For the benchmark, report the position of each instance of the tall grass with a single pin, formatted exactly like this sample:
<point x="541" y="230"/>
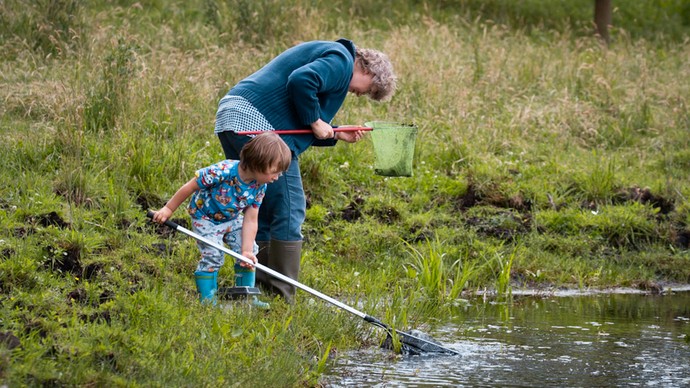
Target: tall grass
<point x="107" y="100"/>
<point x="49" y="27"/>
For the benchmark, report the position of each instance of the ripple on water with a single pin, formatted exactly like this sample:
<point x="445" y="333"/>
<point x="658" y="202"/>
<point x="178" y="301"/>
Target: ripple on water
<point x="545" y="343"/>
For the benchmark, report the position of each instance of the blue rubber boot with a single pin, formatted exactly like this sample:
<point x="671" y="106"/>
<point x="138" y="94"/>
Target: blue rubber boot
<point x="207" y="285"/>
<point x="246" y="277"/>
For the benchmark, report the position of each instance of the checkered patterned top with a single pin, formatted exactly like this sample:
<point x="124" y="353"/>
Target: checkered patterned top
<point x="237" y="114"/>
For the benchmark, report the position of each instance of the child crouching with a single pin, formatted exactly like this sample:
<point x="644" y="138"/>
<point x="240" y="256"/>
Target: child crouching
<point x="224" y="207"/>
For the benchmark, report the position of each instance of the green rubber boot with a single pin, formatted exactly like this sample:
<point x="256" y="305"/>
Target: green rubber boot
<point x="262" y="278"/>
<point x="246" y="277"/>
<point x="207" y="285"/>
<point x="284" y="257"/>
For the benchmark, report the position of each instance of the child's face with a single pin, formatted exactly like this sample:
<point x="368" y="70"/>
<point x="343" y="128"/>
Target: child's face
<point x="269" y="176"/>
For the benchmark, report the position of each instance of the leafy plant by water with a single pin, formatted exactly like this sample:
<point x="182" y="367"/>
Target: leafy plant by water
<point x="505" y="265"/>
<point x="429" y="270"/>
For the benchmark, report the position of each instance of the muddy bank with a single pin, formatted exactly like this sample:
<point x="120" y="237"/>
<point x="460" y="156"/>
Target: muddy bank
<point x="564" y="292"/>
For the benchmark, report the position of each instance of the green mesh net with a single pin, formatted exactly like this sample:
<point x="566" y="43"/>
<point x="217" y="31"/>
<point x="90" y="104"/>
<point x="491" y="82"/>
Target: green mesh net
<point x="393" y="147"/>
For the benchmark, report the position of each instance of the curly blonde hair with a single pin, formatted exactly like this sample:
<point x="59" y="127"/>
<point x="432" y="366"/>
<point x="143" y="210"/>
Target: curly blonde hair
<point x="378" y="64"/>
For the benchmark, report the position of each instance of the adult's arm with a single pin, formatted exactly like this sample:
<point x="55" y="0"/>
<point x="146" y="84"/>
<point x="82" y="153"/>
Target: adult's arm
<point x="330" y="74"/>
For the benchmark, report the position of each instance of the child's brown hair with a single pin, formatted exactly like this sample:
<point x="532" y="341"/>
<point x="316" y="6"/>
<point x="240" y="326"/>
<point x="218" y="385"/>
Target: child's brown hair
<point x="264" y="152"/>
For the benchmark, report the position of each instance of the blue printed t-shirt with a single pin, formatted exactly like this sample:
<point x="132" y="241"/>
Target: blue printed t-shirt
<point x="223" y="195"/>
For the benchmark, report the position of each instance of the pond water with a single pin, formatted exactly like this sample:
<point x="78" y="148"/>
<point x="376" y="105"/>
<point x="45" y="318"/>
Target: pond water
<point x="595" y="340"/>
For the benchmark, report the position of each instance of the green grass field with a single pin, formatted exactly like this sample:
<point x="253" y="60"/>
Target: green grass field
<point x="543" y="159"/>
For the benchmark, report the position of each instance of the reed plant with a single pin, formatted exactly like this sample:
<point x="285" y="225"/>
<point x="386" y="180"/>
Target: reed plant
<point x="429" y="270"/>
<point x="505" y="265"/>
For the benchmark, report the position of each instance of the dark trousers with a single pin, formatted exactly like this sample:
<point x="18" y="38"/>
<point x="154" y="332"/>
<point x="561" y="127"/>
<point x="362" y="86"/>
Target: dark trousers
<point x="283" y="209"/>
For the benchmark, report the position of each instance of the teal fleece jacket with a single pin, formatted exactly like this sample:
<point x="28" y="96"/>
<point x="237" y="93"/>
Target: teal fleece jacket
<point x="301" y="85"/>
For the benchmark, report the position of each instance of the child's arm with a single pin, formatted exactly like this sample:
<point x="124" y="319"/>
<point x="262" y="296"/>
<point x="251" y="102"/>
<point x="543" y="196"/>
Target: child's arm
<point x="250" y="224"/>
<point x="180" y="196"/>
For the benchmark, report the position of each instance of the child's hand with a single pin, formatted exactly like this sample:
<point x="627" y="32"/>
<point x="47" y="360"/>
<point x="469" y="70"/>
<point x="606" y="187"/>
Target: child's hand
<point x="162" y="215"/>
<point x="249" y="255"/>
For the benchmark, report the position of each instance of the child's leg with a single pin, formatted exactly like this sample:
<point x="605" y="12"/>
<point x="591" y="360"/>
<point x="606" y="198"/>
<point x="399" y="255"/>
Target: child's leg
<point x="233" y="239"/>
<point x="206" y="274"/>
<point x="207" y="286"/>
<point x="211" y="258"/>
<point x="244" y="277"/>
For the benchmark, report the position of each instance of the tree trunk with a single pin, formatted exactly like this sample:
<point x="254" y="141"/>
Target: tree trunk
<point x="602" y="18"/>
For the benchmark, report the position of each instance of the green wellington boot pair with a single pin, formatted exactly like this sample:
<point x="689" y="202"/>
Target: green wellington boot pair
<point x="207" y="285"/>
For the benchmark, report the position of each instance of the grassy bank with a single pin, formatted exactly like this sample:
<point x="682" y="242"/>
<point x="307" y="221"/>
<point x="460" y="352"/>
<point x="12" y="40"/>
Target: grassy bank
<point x="543" y="159"/>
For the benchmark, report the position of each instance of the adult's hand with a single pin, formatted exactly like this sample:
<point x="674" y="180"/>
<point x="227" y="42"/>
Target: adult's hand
<point x="322" y="130"/>
<point x="350" y="136"/>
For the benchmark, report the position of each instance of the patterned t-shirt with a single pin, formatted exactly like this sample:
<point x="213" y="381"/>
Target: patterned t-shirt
<point x="223" y="195"/>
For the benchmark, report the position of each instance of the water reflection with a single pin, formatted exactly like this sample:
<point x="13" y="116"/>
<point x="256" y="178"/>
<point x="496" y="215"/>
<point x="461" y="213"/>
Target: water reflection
<point x="581" y="341"/>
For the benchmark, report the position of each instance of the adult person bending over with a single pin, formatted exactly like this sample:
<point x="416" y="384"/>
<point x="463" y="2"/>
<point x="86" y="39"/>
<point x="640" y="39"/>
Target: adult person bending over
<point x="303" y="87"/>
